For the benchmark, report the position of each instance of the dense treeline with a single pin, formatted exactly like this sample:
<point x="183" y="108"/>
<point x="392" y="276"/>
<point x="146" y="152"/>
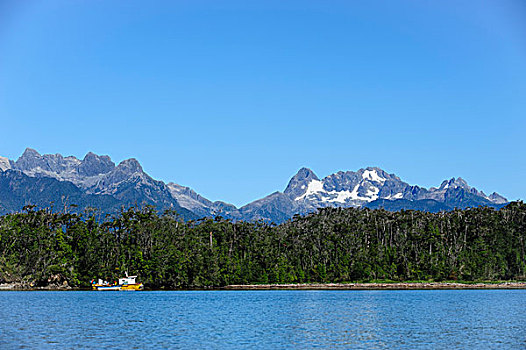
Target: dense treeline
<point x="333" y="245"/>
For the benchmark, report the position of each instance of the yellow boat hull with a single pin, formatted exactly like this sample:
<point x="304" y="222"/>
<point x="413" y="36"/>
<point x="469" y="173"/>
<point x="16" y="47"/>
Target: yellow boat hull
<point x="137" y="286"/>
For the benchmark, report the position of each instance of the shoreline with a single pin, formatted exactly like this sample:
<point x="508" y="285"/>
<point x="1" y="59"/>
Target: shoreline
<point x="307" y="286"/>
<point x="380" y="286"/>
<point x="18" y="286"/>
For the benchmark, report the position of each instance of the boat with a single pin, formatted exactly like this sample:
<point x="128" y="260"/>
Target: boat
<point x="129" y="283"/>
<point x="125" y="283"/>
<point x="107" y="287"/>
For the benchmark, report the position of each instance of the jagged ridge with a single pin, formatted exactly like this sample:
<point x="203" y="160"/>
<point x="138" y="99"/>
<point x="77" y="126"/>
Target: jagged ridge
<point x="127" y="184"/>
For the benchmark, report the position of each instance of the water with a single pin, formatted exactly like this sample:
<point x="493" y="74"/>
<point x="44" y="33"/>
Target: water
<point x="477" y="319"/>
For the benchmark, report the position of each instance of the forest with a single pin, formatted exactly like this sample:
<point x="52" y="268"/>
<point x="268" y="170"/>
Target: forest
<point x="39" y="247"/>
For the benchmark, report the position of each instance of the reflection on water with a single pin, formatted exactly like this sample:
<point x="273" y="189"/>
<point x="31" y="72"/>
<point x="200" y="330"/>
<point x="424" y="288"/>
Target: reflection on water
<point x="264" y="319"/>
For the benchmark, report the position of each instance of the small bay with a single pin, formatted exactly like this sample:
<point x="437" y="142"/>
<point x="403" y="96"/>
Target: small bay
<point x="405" y="319"/>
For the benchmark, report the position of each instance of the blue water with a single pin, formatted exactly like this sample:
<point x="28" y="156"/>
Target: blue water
<point x="476" y="319"/>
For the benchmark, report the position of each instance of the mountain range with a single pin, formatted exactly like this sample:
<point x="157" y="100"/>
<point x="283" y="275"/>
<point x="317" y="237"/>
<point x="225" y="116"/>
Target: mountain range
<point x="97" y="182"/>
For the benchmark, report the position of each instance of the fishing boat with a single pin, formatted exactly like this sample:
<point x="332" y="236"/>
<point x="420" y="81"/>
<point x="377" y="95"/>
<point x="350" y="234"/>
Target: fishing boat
<point x="107" y="287"/>
<point x="129" y="283"/>
<point x="125" y="283"/>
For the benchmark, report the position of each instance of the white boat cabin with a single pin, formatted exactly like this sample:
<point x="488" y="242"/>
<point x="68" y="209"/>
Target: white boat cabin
<point x="127" y="280"/>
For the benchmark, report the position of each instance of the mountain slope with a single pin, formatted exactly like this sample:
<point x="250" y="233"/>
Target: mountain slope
<point x="429" y="205"/>
<point x="370" y="187"/>
<point x="94" y="179"/>
<point x="41" y="179"/>
<point x="18" y="190"/>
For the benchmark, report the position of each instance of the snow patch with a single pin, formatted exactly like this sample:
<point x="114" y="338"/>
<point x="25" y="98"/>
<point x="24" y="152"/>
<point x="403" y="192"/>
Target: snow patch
<point x="373" y="176"/>
<point x="340" y="197"/>
<point x="314" y="186"/>
<point x="344" y="196"/>
<point x="372" y="193"/>
<point x="395" y="196"/>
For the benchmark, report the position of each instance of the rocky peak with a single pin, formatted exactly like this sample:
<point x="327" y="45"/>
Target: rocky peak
<point x="129" y="166"/>
<point x="93" y="164"/>
<point x="299" y="182"/>
<point x="126" y="170"/>
<point x="305" y="174"/>
<point x="30" y="159"/>
<point x="5" y="164"/>
<point x="52" y="165"/>
<point x="30" y="153"/>
<point x="189" y="199"/>
<point x="454" y="183"/>
<point x="373" y="174"/>
<point x="497" y="198"/>
<point x="178" y="189"/>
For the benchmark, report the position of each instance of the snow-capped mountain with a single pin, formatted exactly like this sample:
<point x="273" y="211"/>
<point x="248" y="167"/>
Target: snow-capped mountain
<point x="97" y="180"/>
<point x="345" y="189"/>
<point x="353" y="189"/>
<point x="371" y="187"/>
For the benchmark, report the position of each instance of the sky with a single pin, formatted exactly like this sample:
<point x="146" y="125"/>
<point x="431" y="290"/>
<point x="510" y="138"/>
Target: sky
<point x="231" y="98"/>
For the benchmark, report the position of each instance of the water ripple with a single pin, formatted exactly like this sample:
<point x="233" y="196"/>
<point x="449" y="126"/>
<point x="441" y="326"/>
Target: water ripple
<point x="458" y="319"/>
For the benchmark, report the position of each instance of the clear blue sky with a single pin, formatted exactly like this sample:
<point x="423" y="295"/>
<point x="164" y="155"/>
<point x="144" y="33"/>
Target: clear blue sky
<point x="231" y="98"/>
